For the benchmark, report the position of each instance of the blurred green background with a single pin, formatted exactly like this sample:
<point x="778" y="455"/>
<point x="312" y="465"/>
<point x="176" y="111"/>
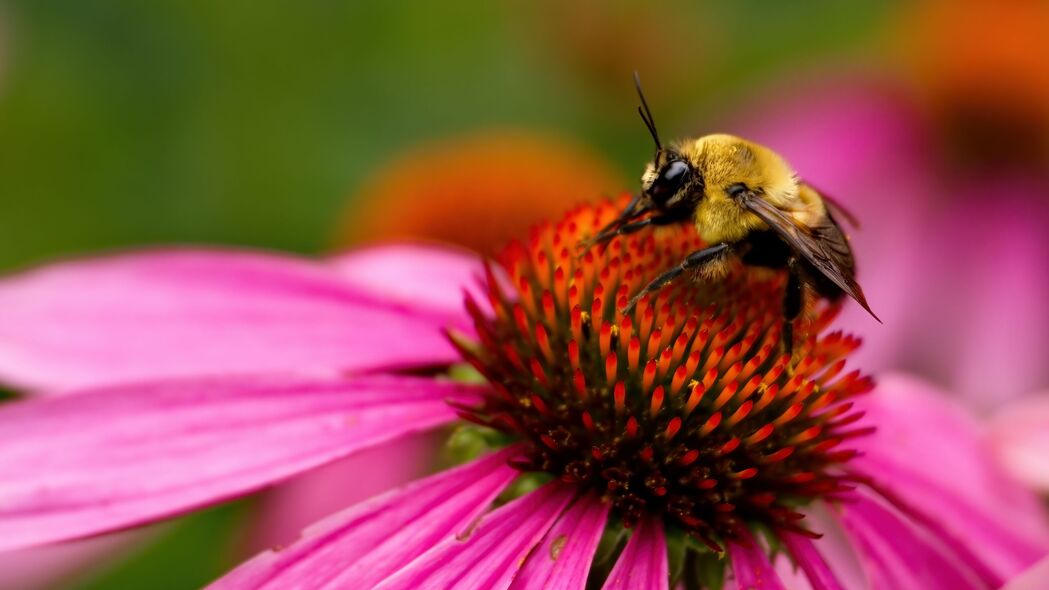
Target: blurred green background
<point x="130" y="122"/>
<point x="126" y="123"/>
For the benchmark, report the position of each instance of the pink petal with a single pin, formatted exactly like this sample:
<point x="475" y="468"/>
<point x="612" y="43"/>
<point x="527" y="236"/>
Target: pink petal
<point x="789" y="574"/>
<point x="368" y="542"/>
<point x="284" y="511"/>
<point x="833" y="546"/>
<point x="750" y="565"/>
<point x="563" y="559"/>
<point x="932" y="454"/>
<point x="898" y="554"/>
<point x="1032" y="579"/>
<point x="490" y="556"/>
<point x="426" y="276"/>
<point x="643" y="563"/>
<point x="1020" y="436"/>
<point x="187" y="313"/>
<point x="116" y="457"/>
<point x="809" y="559"/>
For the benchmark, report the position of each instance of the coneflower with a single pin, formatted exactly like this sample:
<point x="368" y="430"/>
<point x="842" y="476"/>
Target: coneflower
<point x="684" y="408"/>
<point x="672" y="446"/>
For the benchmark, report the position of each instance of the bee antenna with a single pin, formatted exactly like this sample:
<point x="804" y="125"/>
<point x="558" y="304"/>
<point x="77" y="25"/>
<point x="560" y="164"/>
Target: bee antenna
<point x="646" y="113"/>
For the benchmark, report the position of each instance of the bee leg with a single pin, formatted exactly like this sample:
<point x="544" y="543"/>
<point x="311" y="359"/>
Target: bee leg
<point x="631" y="211"/>
<point x="629" y="228"/>
<point x="695" y="260"/>
<point x="792" y="303"/>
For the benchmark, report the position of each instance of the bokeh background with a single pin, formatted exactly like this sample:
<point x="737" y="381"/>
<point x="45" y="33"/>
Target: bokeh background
<point x="310" y="126"/>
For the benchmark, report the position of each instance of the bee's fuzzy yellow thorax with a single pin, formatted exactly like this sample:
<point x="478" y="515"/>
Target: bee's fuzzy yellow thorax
<point x="725" y="160"/>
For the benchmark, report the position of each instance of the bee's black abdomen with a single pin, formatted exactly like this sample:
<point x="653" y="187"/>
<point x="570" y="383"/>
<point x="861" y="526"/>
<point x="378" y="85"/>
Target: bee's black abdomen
<point x="766" y="249"/>
<point x="821" y="284"/>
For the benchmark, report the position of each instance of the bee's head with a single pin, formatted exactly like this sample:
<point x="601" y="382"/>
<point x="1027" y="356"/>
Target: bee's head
<point x="671" y="184"/>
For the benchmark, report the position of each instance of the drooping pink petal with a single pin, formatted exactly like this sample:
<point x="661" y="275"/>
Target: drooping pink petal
<point x="790" y="575"/>
<point x="285" y="510"/>
<point x="809" y="559"/>
<point x="931" y="453"/>
<point x="835" y="562"/>
<point x="428" y="276"/>
<point x="750" y="565"/>
<point x="189" y="313"/>
<point x="491" y="555"/>
<point x="368" y="542"/>
<point x="563" y="559"/>
<point x="1034" y="578"/>
<point x="643" y="563"/>
<point x="115" y="457"/>
<point x="898" y="554"/>
<point x="834" y="547"/>
<point x="1019" y="434"/>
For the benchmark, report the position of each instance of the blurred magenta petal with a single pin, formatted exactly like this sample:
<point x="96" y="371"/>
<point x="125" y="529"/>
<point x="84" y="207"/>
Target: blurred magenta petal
<point x="1019" y="434"/>
<point x="367" y="543"/>
<point x="932" y="453"/>
<point x="418" y="276"/>
<point x="185" y="313"/>
<point x="899" y="555"/>
<point x="491" y="555"/>
<point x="982" y="298"/>
<point x="115" y="457"/>
<point x="563" y="559"/>
<point x="643" y="563"/>
<point x="810" y="561"/>
<point x="750" y="565"/>
<point x="293" y="505"/>
<point x="1032" y="579"/>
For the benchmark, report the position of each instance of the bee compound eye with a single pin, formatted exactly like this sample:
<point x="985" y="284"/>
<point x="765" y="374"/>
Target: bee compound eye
<point x="669" y="181"/>
<point x="674" y="173"/>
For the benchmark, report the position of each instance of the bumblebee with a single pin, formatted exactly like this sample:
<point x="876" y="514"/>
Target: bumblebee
<point x="745" y="202"/>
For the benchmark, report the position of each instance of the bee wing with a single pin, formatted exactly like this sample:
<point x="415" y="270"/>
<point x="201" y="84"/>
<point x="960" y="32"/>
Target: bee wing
<point x="824" y="245"/>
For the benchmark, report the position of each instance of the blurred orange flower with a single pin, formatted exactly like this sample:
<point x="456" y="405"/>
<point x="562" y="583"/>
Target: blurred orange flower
<point x="474" y="191"/>
<point x="983" y="68"/>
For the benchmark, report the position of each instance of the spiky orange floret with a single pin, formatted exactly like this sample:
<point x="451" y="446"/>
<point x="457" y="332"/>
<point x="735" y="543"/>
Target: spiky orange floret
<point x="685" y="407"/>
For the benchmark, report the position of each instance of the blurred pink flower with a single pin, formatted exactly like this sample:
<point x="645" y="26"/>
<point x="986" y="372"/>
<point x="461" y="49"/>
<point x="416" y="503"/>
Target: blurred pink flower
<point x="1019" y="433"/>
<point x="205" y="375"/>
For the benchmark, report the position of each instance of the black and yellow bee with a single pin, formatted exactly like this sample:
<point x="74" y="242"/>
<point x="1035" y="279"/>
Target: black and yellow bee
<point x="746" y="202"/>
